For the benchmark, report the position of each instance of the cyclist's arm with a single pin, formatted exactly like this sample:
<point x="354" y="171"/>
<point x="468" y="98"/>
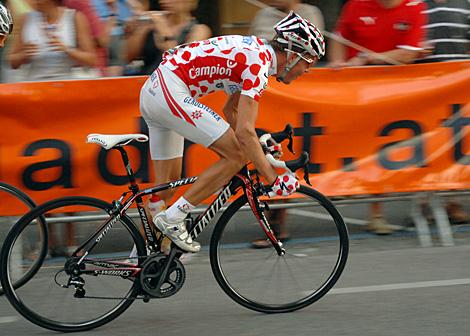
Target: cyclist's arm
<point x="246" y="135"/>
<point x="231" y="109"/>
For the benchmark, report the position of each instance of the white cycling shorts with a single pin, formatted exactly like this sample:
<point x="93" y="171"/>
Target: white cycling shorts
<point x="173" y="115"/>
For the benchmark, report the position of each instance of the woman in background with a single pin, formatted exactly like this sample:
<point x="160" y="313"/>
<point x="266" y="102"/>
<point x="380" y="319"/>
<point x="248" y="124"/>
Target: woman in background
<point x="153" y="32"/>
<point x="52" y="40"/>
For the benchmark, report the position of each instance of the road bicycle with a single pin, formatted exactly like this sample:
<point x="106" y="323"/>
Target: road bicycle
<point x="291" y="274"/>
<point x="21" y="203"/>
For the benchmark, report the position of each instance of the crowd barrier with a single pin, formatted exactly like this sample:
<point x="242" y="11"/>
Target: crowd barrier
<point x="369" y="131"/>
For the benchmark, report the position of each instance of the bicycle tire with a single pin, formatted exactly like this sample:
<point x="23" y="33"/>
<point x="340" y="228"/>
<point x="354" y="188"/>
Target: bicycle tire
<point x="235" y="288"/>
<point x="29" y="203"/>
<point x="46" y="322"/>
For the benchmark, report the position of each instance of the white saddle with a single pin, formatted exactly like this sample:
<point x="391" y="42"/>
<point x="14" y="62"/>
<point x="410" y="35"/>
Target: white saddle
<point x="108" y="141"/>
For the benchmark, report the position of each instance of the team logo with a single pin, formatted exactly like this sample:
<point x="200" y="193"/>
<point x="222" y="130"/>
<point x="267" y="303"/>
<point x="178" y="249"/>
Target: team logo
<point x="196" y="114"/>
<point x="210" y="71"/>
<point x="402" y="26"/>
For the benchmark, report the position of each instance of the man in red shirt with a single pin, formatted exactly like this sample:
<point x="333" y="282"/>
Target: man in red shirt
<point x="392" y="29"/>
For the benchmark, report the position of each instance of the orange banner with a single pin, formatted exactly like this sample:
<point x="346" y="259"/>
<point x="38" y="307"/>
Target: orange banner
<point x="368" y="130"/>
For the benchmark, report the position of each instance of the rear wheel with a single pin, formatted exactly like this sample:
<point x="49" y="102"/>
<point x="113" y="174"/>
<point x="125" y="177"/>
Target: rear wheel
<point x="49" y="298"/>
<point x="316" y="243"/>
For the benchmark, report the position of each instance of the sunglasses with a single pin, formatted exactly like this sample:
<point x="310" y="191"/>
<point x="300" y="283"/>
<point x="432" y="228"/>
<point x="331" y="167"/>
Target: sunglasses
<point x="305" y="56"/>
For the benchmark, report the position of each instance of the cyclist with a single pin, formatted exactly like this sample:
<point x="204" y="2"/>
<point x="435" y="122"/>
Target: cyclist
<point x="6" y="24"/>
<point x="239" y="65"/>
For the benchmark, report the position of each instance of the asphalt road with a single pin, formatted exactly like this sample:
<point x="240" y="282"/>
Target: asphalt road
<point x="390" y="286"/>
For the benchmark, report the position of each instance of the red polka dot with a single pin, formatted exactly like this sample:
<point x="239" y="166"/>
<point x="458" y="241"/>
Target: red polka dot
<point x="256" y="97"/>
<point x="277" y="181"/>
<point x="279" y="192"/>
<point x="204" y="89"/>
<point x="290" y="187"/>
<point x="257" y="81"/>
<point x="262" y="57"/>
<point x="247" y="84"/>
<point x="240" y="58"/>
<point x="208" y="51"/>
<point x="255" y="68"/>
<point x="193" y="93"/>
<point x="227" y="51"/>
<point x="285" y="178"/>
<point x="186" y="56"/>
<point x="194" y="45"/>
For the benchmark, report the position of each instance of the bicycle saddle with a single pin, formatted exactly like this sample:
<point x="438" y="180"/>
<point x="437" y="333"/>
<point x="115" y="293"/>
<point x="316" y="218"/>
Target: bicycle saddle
<point x="108" y="141"/>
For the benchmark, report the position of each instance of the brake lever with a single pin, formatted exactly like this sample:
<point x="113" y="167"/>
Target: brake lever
<point x="290" y="144"/>
<point x="306" y="176"/>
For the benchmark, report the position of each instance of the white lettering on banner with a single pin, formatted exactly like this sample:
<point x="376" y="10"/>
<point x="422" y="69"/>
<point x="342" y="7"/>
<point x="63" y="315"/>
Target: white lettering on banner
<point x="212" y="70"/>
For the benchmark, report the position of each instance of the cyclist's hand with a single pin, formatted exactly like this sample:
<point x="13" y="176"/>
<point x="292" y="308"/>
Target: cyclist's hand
<point x="284" y="185"/>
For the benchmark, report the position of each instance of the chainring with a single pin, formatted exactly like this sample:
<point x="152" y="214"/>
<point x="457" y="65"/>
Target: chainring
<point x="151" y="274"/>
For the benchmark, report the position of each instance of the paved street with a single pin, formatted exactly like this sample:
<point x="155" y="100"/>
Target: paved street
<point x="390" y="287"/>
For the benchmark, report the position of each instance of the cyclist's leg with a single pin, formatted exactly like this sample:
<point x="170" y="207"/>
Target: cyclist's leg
<point x="216" y="176"/>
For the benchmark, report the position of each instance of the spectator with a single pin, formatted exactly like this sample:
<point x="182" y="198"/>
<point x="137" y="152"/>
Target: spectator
<point x="155" y="31"/>
<point x="447" y="30"/>
<point x="265" y="19"/>
<point x="393" y="31"/>
<point x="448" y="39"/>
<point x="262" y="26"/>
<point x="52" y="40"/>
<point x="113" y="15"/>
<point x="97" y="30"/>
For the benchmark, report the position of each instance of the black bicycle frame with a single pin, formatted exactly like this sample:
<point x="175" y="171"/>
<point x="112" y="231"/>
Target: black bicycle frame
<point x="241" y="180"/>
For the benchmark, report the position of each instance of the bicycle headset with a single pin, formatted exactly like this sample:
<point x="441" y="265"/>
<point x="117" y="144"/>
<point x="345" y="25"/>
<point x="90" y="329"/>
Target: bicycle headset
<point x="298" y="36"/>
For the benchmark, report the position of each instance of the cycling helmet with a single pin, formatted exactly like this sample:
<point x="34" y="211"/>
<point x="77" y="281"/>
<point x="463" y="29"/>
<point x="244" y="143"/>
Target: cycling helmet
<point x="295" y="33"/>
<point x="6" y="22"/>
<point x="298" y="36"/>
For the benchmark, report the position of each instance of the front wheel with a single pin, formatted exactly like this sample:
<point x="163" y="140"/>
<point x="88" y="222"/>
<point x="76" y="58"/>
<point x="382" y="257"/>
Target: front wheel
<point x="250" y="270"/>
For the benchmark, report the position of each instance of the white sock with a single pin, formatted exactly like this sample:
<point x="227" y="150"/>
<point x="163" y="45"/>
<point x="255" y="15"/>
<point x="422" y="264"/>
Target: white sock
<point x="179" y="210"/>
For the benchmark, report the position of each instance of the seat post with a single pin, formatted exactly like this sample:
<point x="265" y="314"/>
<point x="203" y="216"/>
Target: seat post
<point x="129" y="171"/>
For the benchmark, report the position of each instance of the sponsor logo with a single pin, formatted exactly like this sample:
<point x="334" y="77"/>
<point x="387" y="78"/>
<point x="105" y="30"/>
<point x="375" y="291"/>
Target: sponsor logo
<point x="212" y="70"/>
<point x="183" y="208"/>
<point x="194" y="102"/>
<point x="247" y="40"/>
<point x="368" y="20"/>
<point x="402" y="26"/>
<point x="114" y="272"/>
<point x="219" y="85"/>
<point x="196" y="114"/>
<point x="153" y="93"/>
<point x="153" y="76"/>
<point x="182" y="182"/>
<point x="108" y="227"/>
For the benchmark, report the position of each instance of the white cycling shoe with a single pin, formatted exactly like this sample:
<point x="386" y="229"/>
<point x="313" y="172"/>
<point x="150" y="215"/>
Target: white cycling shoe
<point x="177" y="232"/>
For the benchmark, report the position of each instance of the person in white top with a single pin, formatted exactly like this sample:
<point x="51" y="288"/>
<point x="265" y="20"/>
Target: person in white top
<point x="52" y="40"/>
<point x="240" y="66"/>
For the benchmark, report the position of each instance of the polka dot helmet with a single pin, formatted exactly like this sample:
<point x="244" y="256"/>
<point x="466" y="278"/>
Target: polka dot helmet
<point x="295" y="33"/>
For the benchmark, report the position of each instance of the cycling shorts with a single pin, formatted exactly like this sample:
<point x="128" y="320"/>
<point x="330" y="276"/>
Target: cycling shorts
<point x="172" y="115"/>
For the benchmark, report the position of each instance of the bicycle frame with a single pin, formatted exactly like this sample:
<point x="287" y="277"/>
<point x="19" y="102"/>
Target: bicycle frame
<point x="241" y="180"/>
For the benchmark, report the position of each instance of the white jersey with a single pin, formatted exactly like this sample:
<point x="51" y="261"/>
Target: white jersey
<point x="231" y="63"/>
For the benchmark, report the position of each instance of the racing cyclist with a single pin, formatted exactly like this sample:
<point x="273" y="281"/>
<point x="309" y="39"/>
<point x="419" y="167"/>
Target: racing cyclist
<point x="6" y="24"/>
<point x="239" y="65"/>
